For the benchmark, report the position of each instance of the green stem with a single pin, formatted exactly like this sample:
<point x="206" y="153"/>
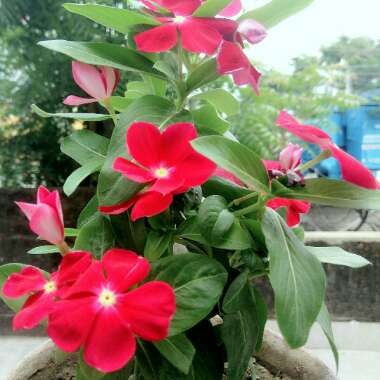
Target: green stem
<point x="237" y="201"/>
<point x="110" y="109"/>
<point x="315" y="161"/>
<point x="255" y="207"/>
<point x="63" y="248"/>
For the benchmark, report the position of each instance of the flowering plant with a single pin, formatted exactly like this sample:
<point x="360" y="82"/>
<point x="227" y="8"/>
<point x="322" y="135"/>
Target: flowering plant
<point x="185" y="218"/>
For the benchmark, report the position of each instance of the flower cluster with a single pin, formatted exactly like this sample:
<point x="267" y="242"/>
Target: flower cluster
<point x="208" y="35"/>
<point x="165" y="163"/>
<point x="104" y="291"/>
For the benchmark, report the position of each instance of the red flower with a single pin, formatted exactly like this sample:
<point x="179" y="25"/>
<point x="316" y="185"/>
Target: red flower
<point x="352" y="170"/>
<point x="293" y="209"/>
<point x="166" y="162"/>
<point x="42" y="291"/>
<point x="45" y="217"/>
<point x="98" y="83"/>
<point x="114" y="312"/>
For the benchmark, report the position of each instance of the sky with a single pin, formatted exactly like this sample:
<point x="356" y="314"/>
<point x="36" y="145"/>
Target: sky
<point x="321" y="24"/>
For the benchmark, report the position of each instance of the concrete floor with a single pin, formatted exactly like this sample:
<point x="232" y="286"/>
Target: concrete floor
<point x="358" y="343"/>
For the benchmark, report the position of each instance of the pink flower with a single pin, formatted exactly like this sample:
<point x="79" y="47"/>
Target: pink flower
<point x="232" y="60"/>
<point x="252" y="31"/>
<point x="98" y="83"/>
<point x="115" y="311"/>
<point x="43" y="291"/>
<point x="220" y="172"/>
<point x="293" y="209"/>
<point x="45" y="217"/>
<point x="352" y="170"/>
<point x="165" y="162"/>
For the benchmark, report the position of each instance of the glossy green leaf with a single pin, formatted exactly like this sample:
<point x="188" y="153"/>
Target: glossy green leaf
<point x="240" y="326"/>
<point x="297" y="278"/>
<point x="85" y="146"/>
<point x="113" y="188"/>
<point x="338" y="256"/>
<point x="211" y="8"/>
<point x="178" y="351"/>
<point x="70" y="115"/>
<point x="71" y="232"/>
<point x="207" y="118"/>
<point x="198" y="282"/>
<point x="276" y="11"/>
<point x="214" y="219"/>
<point x="234" y="157"/>
<point x="227" y="189"/>
<point x="96" y="236"/>
<point x="102" y="53"/>
<point x="43" y="250"/>
<point x="118" y="19"/>
<point x="79" y="175"/>
<point x="205" y="73"/>
<point x="156" y="245"/>
<point x="324" y="320"/>
<point x="121" y="103"/>
<point x="331" y="192"/>
<point x="89" y="212"/>
<point x="236" y="239"/>
<point x="222" y="100"/>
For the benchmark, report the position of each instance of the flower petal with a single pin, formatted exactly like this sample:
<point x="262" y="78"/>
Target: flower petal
<point x="252" y="31"/>
<point x="30" y="279"/>
<point x="248" y="76"/>
<point x="231" y="9"/>
<point x="73" y="100"/>
<point x="110" y="345"/>
<point x="50" y="198"/>
<point x="198" y="37"/>
<point x="88" y="78"/>
<point x="175" y="142"/>
<point x="196" y="170"/>
<point x="119" y="208"/>
<point x="36" y="308"/>
<point x="70" y="322"/>
<point x="158" y="39"/>
<point x="132" y="171"/>
<point x="180" y="7"/>
<point x="143" y="141"/>
<point x="46" y="223"/>
<point x="220" y="172"/>
<point x="149" y="310"/>
<point x="293" y="209"/>
<point x="124" y="268"/>
<point x="27" y="208"/>
<point x="167" y="185"/>
<point x="231" y="58"/>
<point x="150" y="204"/>
<point x="110" y="78"/>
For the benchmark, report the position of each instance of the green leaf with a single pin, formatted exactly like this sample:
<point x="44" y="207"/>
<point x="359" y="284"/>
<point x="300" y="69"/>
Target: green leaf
<point x="156" y="245"/>
<point x="113" y="188"/>
<point x="5" y="271"/>
<point x="331" y="192"/>
<point x="222" y="100"/>
<point x="120" y="103"/>
<point x="71" y="232"/>
<point x="338" y="256"/>
<point x="79" y="175"/>
<point x="84" y="146"/>
<point x="276" y="11"/>
<point x="90" y="211"/>
<point x="103" y="54"/>
<point x="297" y="278"/>
<point x="205" y="73"/>
<point x="240" y="326"/>
<point x="96" y="236"/>
<point x="85" y="372"/>
<point x="198" y="282"/>
<point x="43" y="250"/>
<point x="227" y="189"/>
<point x="324" y="321"/>
<point x="207" y="118"/>
<point x="178" y="351"/>
<point x="236" y="239"/>
<point x="262" y="317"/>
<point x="214" y="219"/>
<point x="73" y="115"/>
<point x="234" y="157"/>
<point x="118" y="19"/>
<point x="211" y="8"/>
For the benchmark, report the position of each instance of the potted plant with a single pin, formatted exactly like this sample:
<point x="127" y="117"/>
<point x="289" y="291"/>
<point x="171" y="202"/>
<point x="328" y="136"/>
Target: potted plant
<point x="160" y="282"/>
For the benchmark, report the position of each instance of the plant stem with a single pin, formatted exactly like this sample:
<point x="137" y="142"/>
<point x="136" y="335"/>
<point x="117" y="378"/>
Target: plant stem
<point x="63" y="248"/>
<point x="315" y="161"/>
<point x="237" y="201"/>
<point x="110" y="109"/>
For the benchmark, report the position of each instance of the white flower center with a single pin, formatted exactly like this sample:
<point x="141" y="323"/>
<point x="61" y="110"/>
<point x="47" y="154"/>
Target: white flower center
<point x="161" y="173"/>
<point x="50" y="287"/>
<point x="179" y="19"/>
<point x="107" y="298"/>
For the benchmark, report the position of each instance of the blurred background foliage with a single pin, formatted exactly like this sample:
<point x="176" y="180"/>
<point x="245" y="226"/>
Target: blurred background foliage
<point x="29" y="145"/>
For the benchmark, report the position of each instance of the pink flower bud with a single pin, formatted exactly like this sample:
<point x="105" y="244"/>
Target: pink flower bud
<point x="290" y="157"/>
<point x="45" y="217"/>
<point x="252" y="31"/>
